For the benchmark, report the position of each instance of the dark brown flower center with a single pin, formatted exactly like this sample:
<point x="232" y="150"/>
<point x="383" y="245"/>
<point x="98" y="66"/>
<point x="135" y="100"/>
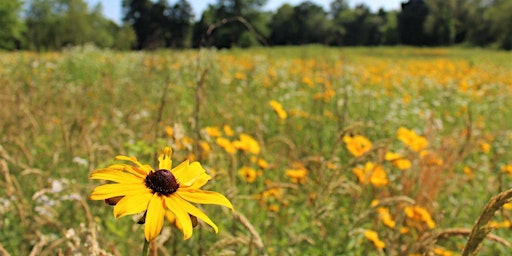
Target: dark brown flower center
<point x="162" y="182"/>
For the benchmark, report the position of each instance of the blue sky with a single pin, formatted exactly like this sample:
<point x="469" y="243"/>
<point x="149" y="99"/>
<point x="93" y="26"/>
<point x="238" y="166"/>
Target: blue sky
<point x="112" y="8"/>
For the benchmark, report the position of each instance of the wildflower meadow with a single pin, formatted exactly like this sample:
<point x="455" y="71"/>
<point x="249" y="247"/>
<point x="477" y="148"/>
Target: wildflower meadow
<point x="269" y="151"/>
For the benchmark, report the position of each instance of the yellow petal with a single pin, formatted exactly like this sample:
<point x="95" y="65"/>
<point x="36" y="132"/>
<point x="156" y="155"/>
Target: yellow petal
<point x="164" y="159"/>
<point x="145" y="168"/>
<point x="189" y="174"/>
<point x="154" y="217"/>
<point x="172" y="219"/>
<point x="200" y="181"/>
<point x="204" y="197"/>
<point x="175" y="205"/>
<point x="124" y="167"/>
<point x="115" y="176"/>
<point x="119" y="189"/>
<point x="192" y="210"/>
<point x="132" y="204"/>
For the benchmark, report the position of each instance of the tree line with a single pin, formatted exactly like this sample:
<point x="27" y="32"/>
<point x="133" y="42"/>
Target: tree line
<point x="45" y="25"/>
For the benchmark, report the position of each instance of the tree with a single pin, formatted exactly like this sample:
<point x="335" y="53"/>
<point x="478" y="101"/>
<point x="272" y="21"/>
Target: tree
<point x="440" y="23"/>
<point x="500" y="19"/>
<point x="232" y="23"/>
<point x="181" y="22"/>
<point x="53" y="24"/>
<point x="283" y="28"/>
<point x="410" y="22"/>
<point x="11" y="24"/>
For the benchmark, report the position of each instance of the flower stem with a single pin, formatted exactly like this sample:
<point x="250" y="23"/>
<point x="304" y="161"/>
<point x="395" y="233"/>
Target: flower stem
<point x="145" y="249"/>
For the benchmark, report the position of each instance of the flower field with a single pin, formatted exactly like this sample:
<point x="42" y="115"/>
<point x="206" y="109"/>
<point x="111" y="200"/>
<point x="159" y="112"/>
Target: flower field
<point x="321" y="151"/>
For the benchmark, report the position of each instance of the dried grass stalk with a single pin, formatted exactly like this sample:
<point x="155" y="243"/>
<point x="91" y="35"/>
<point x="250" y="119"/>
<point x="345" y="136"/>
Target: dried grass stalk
<point x="481" y="227"/>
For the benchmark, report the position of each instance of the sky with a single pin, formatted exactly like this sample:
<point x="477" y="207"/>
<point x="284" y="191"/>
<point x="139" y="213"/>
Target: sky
<point x="112" y="8"/>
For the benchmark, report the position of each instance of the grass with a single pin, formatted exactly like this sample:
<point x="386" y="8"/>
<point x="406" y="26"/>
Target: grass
<point x="66" y="114"/>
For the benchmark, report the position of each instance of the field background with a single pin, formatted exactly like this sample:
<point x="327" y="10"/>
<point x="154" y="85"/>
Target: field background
<point x="66" y="114"/>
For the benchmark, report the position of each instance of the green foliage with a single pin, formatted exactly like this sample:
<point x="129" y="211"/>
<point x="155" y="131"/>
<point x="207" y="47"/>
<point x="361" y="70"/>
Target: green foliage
<point x="11" y="24"/>
<point x="55" y="24"/>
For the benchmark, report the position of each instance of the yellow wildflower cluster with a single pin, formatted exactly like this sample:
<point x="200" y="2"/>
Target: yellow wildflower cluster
<point x="410" y="138"/>
<point x="371" y="173"/>
<point x="418" y="213"/>
<point x="298" y="174"/>
<point x="398" y="160"/>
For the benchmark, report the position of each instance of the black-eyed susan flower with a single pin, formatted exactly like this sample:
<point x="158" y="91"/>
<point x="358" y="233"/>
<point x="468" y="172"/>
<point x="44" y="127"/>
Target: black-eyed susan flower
<point x="167" y="191"/>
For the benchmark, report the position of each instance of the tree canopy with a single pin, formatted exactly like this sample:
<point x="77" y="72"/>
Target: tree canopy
<point x="151" y="24"/>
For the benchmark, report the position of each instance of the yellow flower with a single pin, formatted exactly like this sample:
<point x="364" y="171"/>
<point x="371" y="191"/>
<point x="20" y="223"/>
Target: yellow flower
<point x="139" y="188"/>
<point x="414" y="141"/>
<point x="212" y="131"/>
<point x="226" y="145"/>
<point x="385" y="217"/>
<point x="419" y="213"/>
<point x="298" y="176"/>
<point x="496" y="224"/>
<point x="247" y="143"/>
<point x="170" y="131"/>
<point x="507" y="169"/>
<point x="485" y="147"/>
<point x="278" y="108"/>
<point x="440" y="251"/>
<point x="228" y="131"/>
<point x="398" y="160"/>
<point x="468" y="172"/>
<point x="371" y="173"/>
<point x="205" y="148"/>
<point x="249" y="173"/>
<point x="357" y="145"/>
<point x="374" y="238"/>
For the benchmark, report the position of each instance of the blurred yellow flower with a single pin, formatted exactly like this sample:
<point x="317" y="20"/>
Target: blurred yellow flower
<point x="212" y="131"/>
<point x="357" y="145"/>
<point x="298" y="176"/>
<point x="248" y="144"/>
<point x="139" y="188"/>
<point x="419" y="213"/>
<point x="502" y="224"/>
<point x="278" y="108"/>
<point x="440" y="251"/>
<point x="205" y="148"/>
<point x="485" y="147"/>
<point x="414" y="141"/>
<point x="226" y="145"/>
<point x="398" y="160"/>
<point x="249" y="174"/>
<point x="468" y="172"/>
<point x="169" y="130"/>
<point x="386" y="217"/>
<point x="507" y="169"/>
<point x="228" y="131"/>
<point x="371" y="173"/>
<point x="374" y="238"/>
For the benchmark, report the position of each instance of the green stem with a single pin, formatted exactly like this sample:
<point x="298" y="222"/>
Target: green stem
<point x="145" y="249"/>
